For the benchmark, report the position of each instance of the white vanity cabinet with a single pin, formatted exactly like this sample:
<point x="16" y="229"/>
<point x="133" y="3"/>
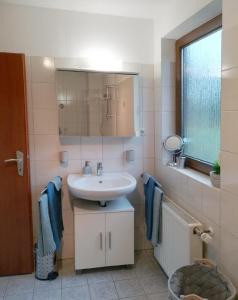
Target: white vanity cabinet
<point x="104" y="236"/>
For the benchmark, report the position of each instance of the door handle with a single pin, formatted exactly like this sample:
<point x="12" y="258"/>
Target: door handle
<point x="101" y="244"/>
<point x="19" y="160"/>
<point x="110" y="239"/>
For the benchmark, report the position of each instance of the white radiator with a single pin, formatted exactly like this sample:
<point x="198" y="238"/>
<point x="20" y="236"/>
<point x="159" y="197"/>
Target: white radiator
<point x="179" y="246"/>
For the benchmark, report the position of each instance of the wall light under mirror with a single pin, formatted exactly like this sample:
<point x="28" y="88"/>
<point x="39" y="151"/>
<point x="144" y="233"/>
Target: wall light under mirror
<point x="98" y="103"/>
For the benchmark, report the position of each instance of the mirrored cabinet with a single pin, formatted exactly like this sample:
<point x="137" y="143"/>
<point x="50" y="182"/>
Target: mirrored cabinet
<point x="98" y="103"/>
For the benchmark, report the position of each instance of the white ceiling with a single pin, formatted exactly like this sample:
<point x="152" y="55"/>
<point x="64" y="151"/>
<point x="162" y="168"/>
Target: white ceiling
<point x="127" y="8"/>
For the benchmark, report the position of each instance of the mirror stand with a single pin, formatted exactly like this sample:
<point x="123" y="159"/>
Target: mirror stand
<point x="174" y="145"/>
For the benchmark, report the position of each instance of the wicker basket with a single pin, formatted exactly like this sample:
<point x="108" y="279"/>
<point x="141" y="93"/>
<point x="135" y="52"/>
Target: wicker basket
<point x="200" y="281"/>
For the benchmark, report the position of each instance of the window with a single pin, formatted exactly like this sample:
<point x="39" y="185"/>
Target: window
<point x="198" y="94"/>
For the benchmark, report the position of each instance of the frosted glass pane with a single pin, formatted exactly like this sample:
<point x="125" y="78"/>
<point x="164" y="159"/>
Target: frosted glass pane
<point x="201" y="89"/>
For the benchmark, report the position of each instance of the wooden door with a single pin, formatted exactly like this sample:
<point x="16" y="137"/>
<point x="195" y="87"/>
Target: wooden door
<point x="89" y="241"/>
<point x="120" y="238"/>
<point x="16" y="243"/>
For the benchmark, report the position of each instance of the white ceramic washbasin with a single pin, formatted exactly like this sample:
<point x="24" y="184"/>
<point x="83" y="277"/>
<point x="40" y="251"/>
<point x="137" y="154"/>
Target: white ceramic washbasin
<point x="109" y="186"/>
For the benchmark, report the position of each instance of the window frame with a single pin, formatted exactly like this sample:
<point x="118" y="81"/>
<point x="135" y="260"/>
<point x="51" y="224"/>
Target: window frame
<point x="200" y="32"/>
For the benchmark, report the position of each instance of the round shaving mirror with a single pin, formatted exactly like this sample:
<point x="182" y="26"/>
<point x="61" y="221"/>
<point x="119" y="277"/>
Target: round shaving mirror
<point x="174" y="145"/>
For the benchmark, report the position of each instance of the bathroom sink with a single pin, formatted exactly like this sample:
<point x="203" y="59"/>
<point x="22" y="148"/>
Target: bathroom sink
<point x="109" y="186"/>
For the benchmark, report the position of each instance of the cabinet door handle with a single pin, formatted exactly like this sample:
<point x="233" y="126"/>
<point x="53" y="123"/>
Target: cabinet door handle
<point x="110" y="239"/>
<point x="101" y="246"/>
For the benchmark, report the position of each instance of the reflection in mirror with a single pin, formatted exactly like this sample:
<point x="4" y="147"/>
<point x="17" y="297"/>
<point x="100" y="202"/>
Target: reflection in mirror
<point x="174" y="145"/>
<point x="97" y="103"/>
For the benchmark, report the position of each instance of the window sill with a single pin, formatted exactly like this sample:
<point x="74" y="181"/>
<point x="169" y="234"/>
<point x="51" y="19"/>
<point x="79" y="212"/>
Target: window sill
<point x="195" y="175"/>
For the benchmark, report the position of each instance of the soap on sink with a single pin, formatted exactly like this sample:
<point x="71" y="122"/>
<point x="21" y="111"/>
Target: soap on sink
<point x="87" y="169"/>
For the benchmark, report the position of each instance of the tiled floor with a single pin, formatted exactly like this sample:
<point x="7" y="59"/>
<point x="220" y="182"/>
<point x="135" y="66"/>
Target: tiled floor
<point x="144" y="281"/>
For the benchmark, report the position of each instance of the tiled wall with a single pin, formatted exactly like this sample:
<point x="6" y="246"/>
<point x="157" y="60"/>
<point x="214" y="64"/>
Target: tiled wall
<point x="45" y="147"/>
<point x="191" y="190"/>
<point x="214" y="207"/>
<point x="229" y="141"/>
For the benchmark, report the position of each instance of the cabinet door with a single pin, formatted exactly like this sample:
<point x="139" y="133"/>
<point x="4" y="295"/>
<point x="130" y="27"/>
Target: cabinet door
<point x="89" y="241"/>
<point x="119" y="238"/>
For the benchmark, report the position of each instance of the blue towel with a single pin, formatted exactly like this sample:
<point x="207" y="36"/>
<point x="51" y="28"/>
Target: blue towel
<point x="157" y="217"/>
<point x="55" y="212"/>
<point x="45" y="242"/>
<point x="57" y="182"/>
<point x="149" y="189"/>
<point x="146" y="177"/>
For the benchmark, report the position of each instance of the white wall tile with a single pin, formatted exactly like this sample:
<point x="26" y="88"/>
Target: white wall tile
<point x="46" y="147"/>
<point x="229" y="172"/>
<point x="139" y="238"/>
<point x="158" y="123"/>
<point x="158" y="99"/>
<point x="134" y="143"/>
<point x="179" y="183"/>
<point x="30" y="120"/>
<point x="148" y="123"/>
<point x="42" y="69"/>
<point x="147" y="75"/>
<point x="112" y="147"/>
<point x="229" y="140"/>
<point x="167" y="73"/>
<point x="229" y="250"/>
<point x="32" y="175"/>
<point x="229" y="89"/>
<point x="211" y="203"/>
<point x="135" y="168"/>
<point x="168" y="123"/>
<point x="113" y="165"/>
<point x="229" y="208"/>
<point x="213" y="249"/>
<point x="45" y="121"/>
<point x="148" y="99"/>
<point x="139" y="214"/>
<point x="229" y="16"/>
<point x="73" y="150"/>
<point x="68" y="219"/>
<point x="195" y="194"/>
<point x="109" y="150"/>
<point x="168" y="97"/>
<point x="91" y="148"/>
<point x="73" y="166"/>
<point x="66" y="198"/>
<point x="31" y="140"/>
<point x="28" y="68"/>
<point x="168" y="50"/>
<point x="149" y="165"/>
<point x="29" y="95"/>
<point x="44" y="171"/>
<point x="35" y="221"/>
<point x="67" y="246"/>
<point x="149" y="146"/>
<point x="35" y="201"/>
<point x="229" y="48"/>
<point x="44" y="95"/>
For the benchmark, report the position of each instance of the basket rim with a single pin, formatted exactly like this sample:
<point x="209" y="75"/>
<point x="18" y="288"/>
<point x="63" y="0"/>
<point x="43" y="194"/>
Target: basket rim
<point x="223" y="277"/>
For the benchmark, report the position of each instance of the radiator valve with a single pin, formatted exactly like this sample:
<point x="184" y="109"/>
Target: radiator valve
<point x="205" y="235"/>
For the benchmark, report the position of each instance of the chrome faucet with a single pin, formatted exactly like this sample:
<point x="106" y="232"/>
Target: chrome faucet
<point x="99" y="169"/>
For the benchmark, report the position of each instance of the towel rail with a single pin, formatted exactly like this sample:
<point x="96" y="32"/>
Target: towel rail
<point x="155" y="180"/>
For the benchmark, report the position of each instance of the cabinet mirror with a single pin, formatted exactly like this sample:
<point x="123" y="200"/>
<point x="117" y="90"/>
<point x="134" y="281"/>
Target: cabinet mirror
<point x="97" y="103"/>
